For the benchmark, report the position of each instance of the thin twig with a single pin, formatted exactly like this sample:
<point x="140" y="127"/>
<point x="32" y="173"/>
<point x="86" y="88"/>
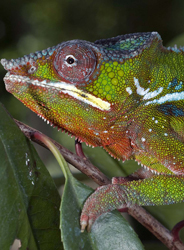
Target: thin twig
<point x="85" y="166"/>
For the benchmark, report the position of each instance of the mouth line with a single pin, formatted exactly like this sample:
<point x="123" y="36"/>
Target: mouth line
<point x="65" y="88"/>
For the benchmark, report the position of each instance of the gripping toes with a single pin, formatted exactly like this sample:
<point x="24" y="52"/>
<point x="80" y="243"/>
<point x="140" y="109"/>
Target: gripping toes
<point x="104" y="199"/>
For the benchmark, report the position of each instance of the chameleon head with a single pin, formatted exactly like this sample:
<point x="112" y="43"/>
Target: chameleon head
<point x="53" y="83"/>
<point x="83" y="87"/>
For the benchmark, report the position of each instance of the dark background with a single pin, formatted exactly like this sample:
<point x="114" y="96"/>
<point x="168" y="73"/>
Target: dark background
<point x="27" y="26"/>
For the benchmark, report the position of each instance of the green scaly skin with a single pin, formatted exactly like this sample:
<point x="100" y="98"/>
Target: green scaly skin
<point x="125" y="94"/>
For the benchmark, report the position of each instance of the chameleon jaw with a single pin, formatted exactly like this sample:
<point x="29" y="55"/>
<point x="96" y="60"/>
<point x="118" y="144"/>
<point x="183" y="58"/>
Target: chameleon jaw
<point x="62" y="87"/>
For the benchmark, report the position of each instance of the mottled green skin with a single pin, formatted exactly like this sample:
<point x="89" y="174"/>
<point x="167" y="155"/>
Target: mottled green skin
<point x="143" y="84"/>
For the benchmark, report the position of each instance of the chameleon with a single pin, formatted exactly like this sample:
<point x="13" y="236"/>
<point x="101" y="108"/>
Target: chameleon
<point x="125" y="94"/>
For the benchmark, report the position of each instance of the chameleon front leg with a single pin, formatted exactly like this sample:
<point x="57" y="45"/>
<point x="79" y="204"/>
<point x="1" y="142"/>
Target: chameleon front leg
<point x="158" y="190"/>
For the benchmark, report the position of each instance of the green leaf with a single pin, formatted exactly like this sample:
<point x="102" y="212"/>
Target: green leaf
<point x="29" y="201"/>
<point x="72" y="200"/>
<point x="111" y="231"/>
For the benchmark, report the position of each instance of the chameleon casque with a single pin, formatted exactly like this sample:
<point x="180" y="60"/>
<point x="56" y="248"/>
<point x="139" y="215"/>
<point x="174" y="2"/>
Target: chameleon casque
<point x="125" y="94"/>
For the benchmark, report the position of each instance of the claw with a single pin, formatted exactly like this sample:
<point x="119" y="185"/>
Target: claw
<point x="84" y="222"/>
<point x="90" y="223"/>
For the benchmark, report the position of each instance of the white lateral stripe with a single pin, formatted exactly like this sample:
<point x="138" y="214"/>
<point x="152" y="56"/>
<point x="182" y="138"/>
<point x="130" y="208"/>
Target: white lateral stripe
<point x="168" y="97"/>
<point x="153" y="94"/>
<point x="80" y="95"/>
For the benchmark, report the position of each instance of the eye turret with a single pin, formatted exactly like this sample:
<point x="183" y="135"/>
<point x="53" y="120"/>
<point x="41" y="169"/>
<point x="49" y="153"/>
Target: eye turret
<point x="75" y="62"/>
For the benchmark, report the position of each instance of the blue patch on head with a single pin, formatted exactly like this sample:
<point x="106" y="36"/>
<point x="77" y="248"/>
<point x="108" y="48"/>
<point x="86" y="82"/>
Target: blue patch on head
<point x="170" y="109"/>
<point x="176" y="84"/>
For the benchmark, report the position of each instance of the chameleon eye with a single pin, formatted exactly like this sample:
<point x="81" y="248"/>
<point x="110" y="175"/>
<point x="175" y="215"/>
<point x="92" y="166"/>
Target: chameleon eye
<point x="75" y="62"/>
<point x="71" y="61"/>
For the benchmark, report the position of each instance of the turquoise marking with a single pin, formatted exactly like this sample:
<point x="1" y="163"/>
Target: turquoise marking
<point x="173" y="83"/>
<point x="179" y="86"/>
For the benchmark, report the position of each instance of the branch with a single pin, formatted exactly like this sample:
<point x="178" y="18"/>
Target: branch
<point x="155" y="227"/>
<point x="85" y="166"/>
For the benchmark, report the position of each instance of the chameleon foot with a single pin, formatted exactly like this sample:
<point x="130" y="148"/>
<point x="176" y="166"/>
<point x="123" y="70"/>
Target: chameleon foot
<point x="104" y="199"/>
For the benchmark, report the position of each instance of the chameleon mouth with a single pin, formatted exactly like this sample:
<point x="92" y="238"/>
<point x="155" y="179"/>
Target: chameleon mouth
<point x="61" y="87"/>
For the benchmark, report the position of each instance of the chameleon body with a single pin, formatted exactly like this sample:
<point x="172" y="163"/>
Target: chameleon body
<point x="125" y="94"/>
